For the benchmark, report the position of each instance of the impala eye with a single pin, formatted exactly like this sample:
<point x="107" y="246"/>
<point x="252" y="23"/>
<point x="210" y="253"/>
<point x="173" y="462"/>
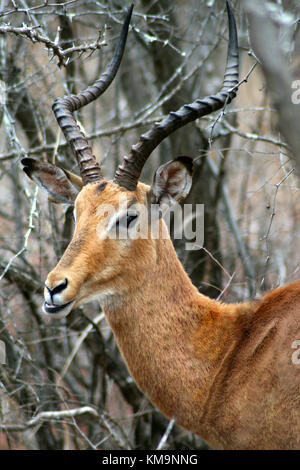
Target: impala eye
<point x="126" y="220"/>
<point x="130" y="218"/>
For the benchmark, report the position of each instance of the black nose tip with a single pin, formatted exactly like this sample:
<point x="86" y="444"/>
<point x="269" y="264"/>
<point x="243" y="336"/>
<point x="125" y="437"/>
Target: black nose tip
<point x="58" y="288"/>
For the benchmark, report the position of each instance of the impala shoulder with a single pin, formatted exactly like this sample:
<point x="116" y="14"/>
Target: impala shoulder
<point x="280" y="302"/>
<point x="221" y="326"/>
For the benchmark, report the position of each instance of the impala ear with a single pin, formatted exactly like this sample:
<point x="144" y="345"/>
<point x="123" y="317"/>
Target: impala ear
<point x="61" y="185"/>
<point x="172" y="183"/>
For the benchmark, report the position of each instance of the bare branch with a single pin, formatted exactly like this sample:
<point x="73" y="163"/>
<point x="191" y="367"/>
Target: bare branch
<point x="48" y="416"/>
<point x="32" y="33"/>
<point x="267" y="47"/>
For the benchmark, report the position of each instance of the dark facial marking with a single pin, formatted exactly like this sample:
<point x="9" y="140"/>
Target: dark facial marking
<point x="101" y="186"/>
<point x="187" y="162"/>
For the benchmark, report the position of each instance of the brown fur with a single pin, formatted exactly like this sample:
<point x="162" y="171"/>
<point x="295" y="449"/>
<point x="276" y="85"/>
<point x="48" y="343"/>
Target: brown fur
<point x="222" y="371"/>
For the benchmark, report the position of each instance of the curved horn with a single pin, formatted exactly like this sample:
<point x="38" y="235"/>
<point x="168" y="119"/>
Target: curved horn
<point x="64" y="108"/>
<point x="129" y="171"/>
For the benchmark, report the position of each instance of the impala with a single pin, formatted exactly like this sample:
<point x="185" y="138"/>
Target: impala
<point x="223" y="371"/>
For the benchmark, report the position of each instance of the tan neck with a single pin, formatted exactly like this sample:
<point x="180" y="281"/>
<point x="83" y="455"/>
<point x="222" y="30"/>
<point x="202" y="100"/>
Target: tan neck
<point x="172" y="338"/>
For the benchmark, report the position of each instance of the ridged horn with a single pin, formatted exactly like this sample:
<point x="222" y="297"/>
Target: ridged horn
<point x="128" y="173"/>
<point x="64" y="108"/>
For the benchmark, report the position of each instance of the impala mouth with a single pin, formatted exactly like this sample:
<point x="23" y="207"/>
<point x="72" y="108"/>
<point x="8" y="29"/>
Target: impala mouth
<point x="58" y="311"/>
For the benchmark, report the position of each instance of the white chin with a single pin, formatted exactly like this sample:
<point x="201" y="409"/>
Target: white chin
<point x="58" y="311"/>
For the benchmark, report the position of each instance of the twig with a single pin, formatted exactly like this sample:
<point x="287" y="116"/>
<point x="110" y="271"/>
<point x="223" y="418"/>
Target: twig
<point x="120" y="437"/>
<point x="226" y="287"/>
<point x="35" y="36"/>
<point x="15" y="275"/>
<point x="166" y="434"/>
<point x="223" y="110"/>
<point x="248" y="267"/>
<point x="27" y="234"/>
<point x="255" y="137"/>
<point x="102" y="133"/>
<point x="78" y="343"/>
<point x="36" y="7"/>
<point x="266" y="236"/>
<point x="216" y="261"/>
<point x="48" y="416"/>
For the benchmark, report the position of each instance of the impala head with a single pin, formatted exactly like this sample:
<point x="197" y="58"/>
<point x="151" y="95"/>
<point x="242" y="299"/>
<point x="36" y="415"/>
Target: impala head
<point x="100" y="262"/>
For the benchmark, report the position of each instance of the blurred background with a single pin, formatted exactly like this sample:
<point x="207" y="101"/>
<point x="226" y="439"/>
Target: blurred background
<point x="63" y="383"/>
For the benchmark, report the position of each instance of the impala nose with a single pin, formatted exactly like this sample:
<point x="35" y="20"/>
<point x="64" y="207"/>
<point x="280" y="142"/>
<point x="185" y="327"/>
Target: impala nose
<point x="52" y="294"/>
<point x="55" y="303"/>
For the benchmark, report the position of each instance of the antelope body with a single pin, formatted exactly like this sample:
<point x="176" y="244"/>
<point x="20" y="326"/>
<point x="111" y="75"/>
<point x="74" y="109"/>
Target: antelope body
<point x="223" y="371"/>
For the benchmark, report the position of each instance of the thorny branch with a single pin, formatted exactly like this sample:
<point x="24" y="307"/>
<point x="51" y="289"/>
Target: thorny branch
<point x="266" y="237"/>
<point x="32" y="33"/>
<point x="17" y="9"/>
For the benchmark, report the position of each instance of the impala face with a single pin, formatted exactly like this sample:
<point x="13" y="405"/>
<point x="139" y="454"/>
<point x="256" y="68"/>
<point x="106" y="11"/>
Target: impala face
<point x="96" y="264"/>
<point x="113" y="240"/>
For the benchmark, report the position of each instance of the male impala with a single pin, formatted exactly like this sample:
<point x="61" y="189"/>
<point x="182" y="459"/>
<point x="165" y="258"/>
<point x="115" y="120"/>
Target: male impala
<point x="222" y="371"/>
